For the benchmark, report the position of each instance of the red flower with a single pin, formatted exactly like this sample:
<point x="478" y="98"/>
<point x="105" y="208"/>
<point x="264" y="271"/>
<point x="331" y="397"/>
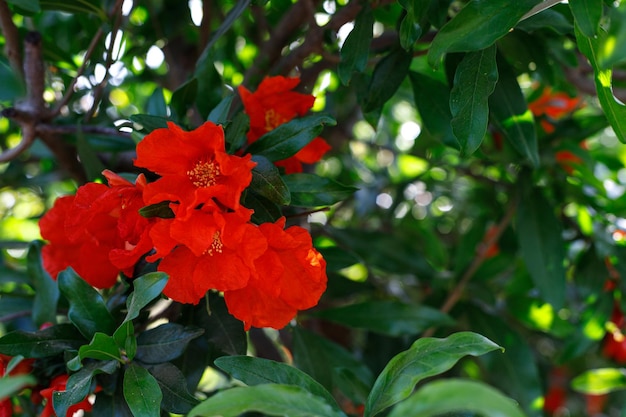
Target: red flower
<point x="98" y="232"/>
<point x="553" y="106"/>
<point x="290" y="276"/>
<point x="567" y="160"/>
<point x="59" y="383"/>
<point x="194" y="167"/>
<point x="273" y="104"/>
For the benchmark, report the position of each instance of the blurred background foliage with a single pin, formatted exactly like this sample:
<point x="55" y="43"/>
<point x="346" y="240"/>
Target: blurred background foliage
<point x="519" y="235"/>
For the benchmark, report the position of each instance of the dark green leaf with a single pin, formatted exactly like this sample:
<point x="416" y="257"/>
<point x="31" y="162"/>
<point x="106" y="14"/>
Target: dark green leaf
<point x="46" y="289"/>
<point x="337" y="258"/>
<point x="356" y="47"/>
<point x="30" y="6"/>
<point x="474" y="81"/>
<point x="223" y="332"/>
<point x="387" y="77"/>
<point x="80" y="383"/>
<point x="101" y="347"/>
<point x="270" y="399"/>
<point x="43" y="343"/>
<point x="142" y="392"/>
<point x="264" y="209"/>
<point x="227" y="22"/>
<point x="543" y="250"/>
<point x="219" y="114"/>
<point x="146" y="288"/>
<point x="612" y="47"/>
<point x="478" y="25"/>
<point x="209" y="88"/>
<point x="160" y="210"/>
<point x="600" y="381"/>
<point x="11" y="385"/>
<point x="310" y="190"/>
<point x="267" y="182"/>
<point x="183" y="98"/>
<point x="457" y="395"/>
<point x="176" y="397"/>
<point x="74" y="6"/>
<point x="387" y="317"/>
<point x="235" y="132"/>
<point x="287" y="139"/>
<point x="165" y="342"/>
<point x="256" y="371"/>
<point x="87" y="311"/>
<point x="125" y="339"/>
<point x="12" y="85"/>
<point x="89" y="157"/>
<point x="425" y="358"/>
<point x="511" y="115"/>
<point x="587" y="14"/>
<point x="148" y="122"/>
<point x="156" y="105"/>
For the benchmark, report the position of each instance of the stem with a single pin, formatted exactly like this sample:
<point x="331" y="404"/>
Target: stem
<point x="11" y="39"/>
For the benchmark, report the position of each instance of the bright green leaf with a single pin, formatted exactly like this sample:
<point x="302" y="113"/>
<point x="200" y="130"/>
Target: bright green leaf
<point x="101" y="347"/>
<point x="146" y="288"/>
<point x="600" y="381"/>
<point x="587" y="14"/>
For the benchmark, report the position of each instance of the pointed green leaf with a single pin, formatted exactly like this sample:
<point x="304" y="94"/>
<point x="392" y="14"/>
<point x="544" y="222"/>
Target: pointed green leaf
<point x="209" y="88"/>
<point x="256" y="371"/>
<point x="474" y="81"/>
<point x="224" y="333"/>
<point x="43" y="343"/>
<point x="287" y="139"/>
<point x="456" y="396"/>
<point x="478" y="25"/>
<point x="74" y="6"/>
<point x="310" y="190"/>
<point x="612" y="45"/>
<point x="387" y="317"/>
<point x="46" y="289"/>
<point x="355" y="49"/>
<point x="125" y="339"/>
<point x="266" y="181"/>
<point x="219" y="114"/>
<point x="148" y="122"/>
<point x="89" y="157"/>
<point x="101" y="347"/>
<point x="29" y="6"/>
<point x="176" y="397"/>
<point x="160" y="210"/>
<point x="146" y="288"/>
<point x="541" y="242"/>
<point x="600" y="381"/>
<point x="425" y="358"/>
<point x="587" y="14"/>
<point x="87" y="311"/>
<point x="269" y="399"/>
<point x="142" y="392"/>
<point x="156" y="105"/>
<point x="264" y="209"/>
<point x="388" y="74"/>
<point x="183" y="98"/>
<point x="235" y="132"/>
<point x="165" y="342"/>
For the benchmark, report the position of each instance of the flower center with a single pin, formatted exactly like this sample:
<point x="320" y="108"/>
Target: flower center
<point x="216" y="245"/>
<point x="204" y="173"/>
<point x="273" y="120"/>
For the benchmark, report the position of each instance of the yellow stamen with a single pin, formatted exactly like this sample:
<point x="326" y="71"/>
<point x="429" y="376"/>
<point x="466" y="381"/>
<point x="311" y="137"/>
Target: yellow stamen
<point x="204" y="174"/>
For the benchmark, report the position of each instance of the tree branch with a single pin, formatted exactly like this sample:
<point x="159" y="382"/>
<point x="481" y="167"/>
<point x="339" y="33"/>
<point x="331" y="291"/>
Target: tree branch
<point x="11" y="39"/>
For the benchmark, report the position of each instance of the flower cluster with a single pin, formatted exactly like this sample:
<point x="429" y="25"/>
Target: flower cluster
<point x="204" y="241"/>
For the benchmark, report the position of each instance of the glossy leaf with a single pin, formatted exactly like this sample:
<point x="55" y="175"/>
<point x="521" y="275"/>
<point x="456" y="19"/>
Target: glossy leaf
<point x="156" y="105"/>
<point x="386" y="79"/>
<point x="310" y="190"/>
<point x="219" y="114"/>
<point x="600" y="381"/>
<point x="478" y="25"/>
<point x="146" y="288"/>
<point x="165" y="342"/>
<point x="425" y="358"/>
<point x="142" y="392"/>
<point x="256" y="371"/>
<point x="387" y="317"/>
<point x="587" y="14"/>
<point x="11" y="385"/>
<point x="455" y="396"/>
<point x="223" y="332"/>
<point x="356" y="47"/>
<point x="87" y="311"/>
<point x="264" y="209"/>
<point x="269" y="399"/>
<point x="267" y="182"/>
<point x="88" y="155"/>
<point x="474" y="81"/>
<point x="125" y="339"/>
<point x="160" y="210"/>
<point x="43" y="343"/>
<point x="209" y="87"/>
<point x="540" y="238"/>
<point x="148" y="122"/>
<point x="46" y="289"/>
<point x="176" y="397"/>
<point x="287" y="139"/>
<point x="235" y="132"/>
<point x="102" y="347"/>
<point x="183" y="98"/>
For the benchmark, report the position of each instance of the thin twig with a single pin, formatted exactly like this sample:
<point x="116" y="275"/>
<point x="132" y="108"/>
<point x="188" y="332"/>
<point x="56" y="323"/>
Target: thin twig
<point x="73" y="129"/>
<point x="28" y="137"/>
<point x="11" y="39"/>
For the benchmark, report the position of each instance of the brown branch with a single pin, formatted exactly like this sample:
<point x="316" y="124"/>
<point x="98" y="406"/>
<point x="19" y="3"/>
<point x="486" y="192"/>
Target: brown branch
<point x="34" y="76"/>
<point x="73" y="129"/>
<point x="28" y="137"/>
<point x="11" y="39"/>
<point x="481" y="255"/>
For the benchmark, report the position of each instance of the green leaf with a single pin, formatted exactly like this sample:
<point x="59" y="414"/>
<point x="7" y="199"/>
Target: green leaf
<point x="310" y="190"/>
<point x="387" y="317"/>
<point x="12" y="84"/>
<point x="183" y="98"/>
<point x="264" y="209"/>
<point x="287" y="139"/>
<point x="145" y="289"/>
<point x="543" y="250"/>
<point x="223" y="332"/>
<point x="235" y="132"/>
<point x="414" y="22"/>
<point x="43" y="343"/>
<point x="101" y="347"/>
<point x="267" y="182"/>
<point x="432" y="99"/>
<point x="455" y="396"/>
<point x="600" y="381"/>
<point x="165" y="342"/>
<point x="612" y="46"/>
<point x="478" y="25"/>
<point x="89" y="157"/>
<point x="587" y="14"/>
<point x="256" y="371"/>
<point x="11" y="385"/>
<point x="474" y="81"/>
<point x="156" y="106"/>
<point x="148" y="122"/>
<point x="614" y="110"/>
<point x="125" y="339"/>
<point x="74" y="6"/>
<point x="79" y="385"/>
<point x="87" y="311"/>
<point x="46" y="289"/>
<point x="510" y="113"/>
<point x="425" y="358"/>
<point x="209" y="88"/>
<point x="176" y="397"/>
<point x="355" y="49"/>
<point x="160" y="210"/>
<point x="269" y="399"/>
<point x="30" y="6"/>
<point x="142" y="392"/>
<point x="219" y="114"/>
<point x="388" y="74"/>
